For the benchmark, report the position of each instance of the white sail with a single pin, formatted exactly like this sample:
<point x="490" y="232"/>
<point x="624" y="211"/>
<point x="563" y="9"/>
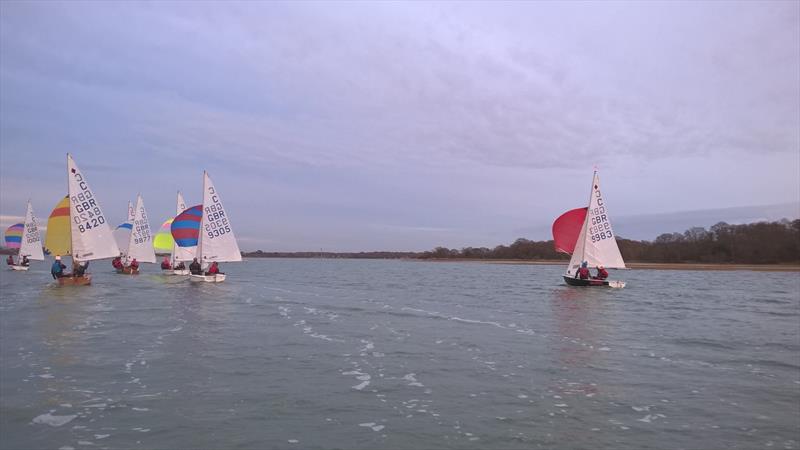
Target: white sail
<point x="31" y="239"/>
<point x="140" y="244"/>
<point x="217" y="242"/>
<point x="182" y="253"/>
<point x="122" y="233"/>
<point x="91" y="235"/>
<point x="597" y="243"/>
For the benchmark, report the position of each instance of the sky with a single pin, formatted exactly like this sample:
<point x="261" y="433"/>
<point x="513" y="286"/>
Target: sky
<point x="350" y="126"/>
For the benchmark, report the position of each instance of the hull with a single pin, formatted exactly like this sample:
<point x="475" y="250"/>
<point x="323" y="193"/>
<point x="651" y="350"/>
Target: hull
<point x="75" y="281"/>
<point x="22" y="268"/>
<point x="593" y="283"/>
<point x="180" y="272"/>
<point x="218" y="278"/>
<point x="128" y="271"/>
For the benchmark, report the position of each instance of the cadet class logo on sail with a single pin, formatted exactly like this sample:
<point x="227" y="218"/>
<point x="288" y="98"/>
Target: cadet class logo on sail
<point x="600" y="228"/>
<point x="216" y="224"/>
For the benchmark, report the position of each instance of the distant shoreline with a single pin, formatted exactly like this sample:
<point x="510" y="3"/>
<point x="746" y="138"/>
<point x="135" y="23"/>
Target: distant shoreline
<point x="556" y="262"/>
<point x="643" y="265"/>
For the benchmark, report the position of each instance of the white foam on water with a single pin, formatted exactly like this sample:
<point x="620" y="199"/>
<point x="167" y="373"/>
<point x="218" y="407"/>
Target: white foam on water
<point x="46" y="375"/>
<point x="411" y="378"/>
<point x="561" y="405"/>
<point x="65" y="405"/>
<point x="604" y="349"/>
<point x="66" y="447"/>
<point x="141" y="409"/>
<point x="293" y="441"/>
<point x="361" y="386"/>
<point x="54" y="421"/>
<point x="372" y="426"/>
<point x="482" y="322"/>
<point x="522" y="396"/>
<point x="85" y="443"/>
<point x="178" y="328"/>
<point x="641" y="408"/>
<point x="101" y="436"/>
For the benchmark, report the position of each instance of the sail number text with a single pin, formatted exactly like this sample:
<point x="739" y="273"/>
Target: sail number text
<point x="31" y="233"/>
<point x="141" y="229"/>
<point x="87" y="213"/>
<point x="215" y="223"/>
<point x="599" y="226"/>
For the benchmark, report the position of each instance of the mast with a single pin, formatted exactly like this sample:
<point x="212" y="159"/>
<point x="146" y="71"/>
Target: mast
<point x="202" y="220"/>
<point x="70" y="214"/>
<point x="588" y="205"/>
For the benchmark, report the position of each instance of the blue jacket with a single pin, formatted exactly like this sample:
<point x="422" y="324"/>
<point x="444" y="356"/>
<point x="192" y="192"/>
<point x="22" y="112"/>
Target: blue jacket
<point x="57" y="268"/>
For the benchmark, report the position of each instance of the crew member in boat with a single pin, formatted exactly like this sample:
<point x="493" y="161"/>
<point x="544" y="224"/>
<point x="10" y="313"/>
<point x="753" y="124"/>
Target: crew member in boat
<point x="583" y="271"/>
<point x="134" y="264"/>
<point x="165" y="265"/>
<point x="79" y="269"/>
<point x="25" y="262"/>
<point x="602" y="273"/>
<point x="57" y="270"/>
<point x="180" y="266"/>
<point x="214" y="269"/>
<point x="10" y="260"/>
<point x="117" y="262"/>
<point x="195" y="268"/>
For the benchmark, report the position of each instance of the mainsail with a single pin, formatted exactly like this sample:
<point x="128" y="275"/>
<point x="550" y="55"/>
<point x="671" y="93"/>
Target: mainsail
<point x="31" y="245"/>
<point x="140" y="243"/>
<point x="595" y="242"/>
<point x="91" y="235"/>
<point x="217" y="241"/>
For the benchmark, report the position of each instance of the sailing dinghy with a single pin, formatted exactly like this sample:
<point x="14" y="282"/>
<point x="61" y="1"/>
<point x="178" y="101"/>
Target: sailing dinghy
<point x="586" y="234"/>
<point x="139" y="245"/>
<point x="78" y="227"/>
<point x="208" y="227"/>
<point x="25" y="237"/>
<point x="165" y="242"/>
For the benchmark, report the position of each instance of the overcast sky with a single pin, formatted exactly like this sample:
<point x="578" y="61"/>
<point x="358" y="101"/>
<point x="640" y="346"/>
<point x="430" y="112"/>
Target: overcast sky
<point x="400" y="126"/>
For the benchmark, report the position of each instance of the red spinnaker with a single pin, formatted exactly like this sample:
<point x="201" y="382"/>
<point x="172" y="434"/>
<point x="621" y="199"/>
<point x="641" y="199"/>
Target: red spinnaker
<point x="567" y="228"/>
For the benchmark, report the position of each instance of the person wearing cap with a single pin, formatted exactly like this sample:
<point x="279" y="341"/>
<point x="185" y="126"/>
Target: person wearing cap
<point x="583" y="272"/>
<point x="57" y="270"/>
<point x="602" y="273"/>
<point x="195" y="267"/>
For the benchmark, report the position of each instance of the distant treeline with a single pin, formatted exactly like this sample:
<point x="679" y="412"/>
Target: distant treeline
<point x="351" y="255"/>
<point x="755" y="243"/>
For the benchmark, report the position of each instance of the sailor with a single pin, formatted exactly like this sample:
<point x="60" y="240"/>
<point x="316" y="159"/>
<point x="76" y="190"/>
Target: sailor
<point x="602" y="273"/>
<point x="180" y="266"/>
<point x="10" y="260"/>
<point x="25" y="261"/>
<point x="195" y="268"/>
<point x="165" y="265"/>
<point x="57" y="270"/>
<point x="583" y="272"/>
<point x="134" y="264"/>
<point x="117" y="262"/>
<point x="214" y="269"/>
<point x="79" y="269"/>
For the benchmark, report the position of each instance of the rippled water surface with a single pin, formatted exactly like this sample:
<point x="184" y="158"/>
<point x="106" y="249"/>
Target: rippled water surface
<point x="399" y="355"/>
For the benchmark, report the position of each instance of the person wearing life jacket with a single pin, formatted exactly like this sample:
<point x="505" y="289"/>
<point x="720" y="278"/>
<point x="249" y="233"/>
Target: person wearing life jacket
<point x="602" y="273"/>
<point x="117" y="262"/>
<point x="180" y="266"/>
<point x="214" y="269"/>
<point x="57" y="269"/>
<point x="79" y="269"/>
<point x="165" y="265"/>
<point x="134" y="264"/>
<point x="25" y="262"/>
<point x="195" y="268"/>
<point x="583" y="272"/>
<point x="10" y="260"/>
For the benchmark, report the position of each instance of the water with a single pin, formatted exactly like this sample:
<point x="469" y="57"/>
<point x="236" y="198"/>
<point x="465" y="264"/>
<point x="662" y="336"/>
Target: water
<point x="400" y="355"/>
